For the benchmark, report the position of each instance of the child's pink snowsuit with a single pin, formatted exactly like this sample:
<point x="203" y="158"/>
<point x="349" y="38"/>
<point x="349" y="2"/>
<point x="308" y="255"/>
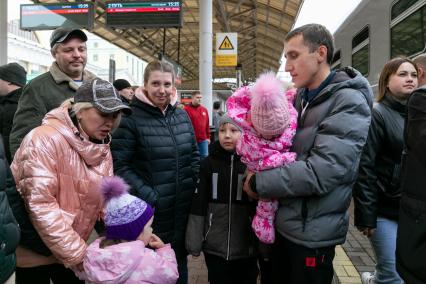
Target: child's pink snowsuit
<point x="129" y="263"/>
<point x="262" y="154"/>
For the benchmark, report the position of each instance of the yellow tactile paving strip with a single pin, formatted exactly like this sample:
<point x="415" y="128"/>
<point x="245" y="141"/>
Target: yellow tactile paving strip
<point x="344" y="269"/>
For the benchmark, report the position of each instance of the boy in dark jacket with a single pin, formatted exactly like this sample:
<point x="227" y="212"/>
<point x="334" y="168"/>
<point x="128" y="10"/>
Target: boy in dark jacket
<point x="220" y="219"/>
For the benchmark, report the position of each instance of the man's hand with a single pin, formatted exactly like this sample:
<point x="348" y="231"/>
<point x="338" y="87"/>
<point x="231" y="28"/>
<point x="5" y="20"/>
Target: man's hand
<point x="208" y="141"/>
<point x="366" y="231"/>
<point x="246" y="186"/>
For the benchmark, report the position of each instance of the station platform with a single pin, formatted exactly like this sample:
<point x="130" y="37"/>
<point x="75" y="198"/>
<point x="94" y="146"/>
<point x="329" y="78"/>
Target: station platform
<point x="352" y="258"/>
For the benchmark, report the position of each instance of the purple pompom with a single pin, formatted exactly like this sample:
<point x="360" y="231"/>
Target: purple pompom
<point x="113" y="186"/>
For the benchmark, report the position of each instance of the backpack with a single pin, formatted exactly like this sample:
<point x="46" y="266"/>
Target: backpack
<point x="411" y="235"/>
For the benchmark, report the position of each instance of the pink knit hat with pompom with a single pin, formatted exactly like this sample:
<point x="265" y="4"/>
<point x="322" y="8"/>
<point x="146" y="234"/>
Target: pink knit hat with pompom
<point x="269" y="107"/>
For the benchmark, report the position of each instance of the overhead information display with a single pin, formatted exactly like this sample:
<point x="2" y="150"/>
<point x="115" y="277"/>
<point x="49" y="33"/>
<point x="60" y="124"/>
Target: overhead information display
<point x="51" y="16"/>
<point x="144" y="14"/>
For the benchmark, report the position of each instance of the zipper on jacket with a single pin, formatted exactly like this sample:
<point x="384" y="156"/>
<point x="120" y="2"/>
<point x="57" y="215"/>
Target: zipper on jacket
<point x="210" y="225"/>
<point x="230" y="209"/>
<point x="167" y="119"/>
<point x="304" y="212"/>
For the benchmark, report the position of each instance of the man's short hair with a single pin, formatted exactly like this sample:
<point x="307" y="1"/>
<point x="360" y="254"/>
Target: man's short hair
<point x="314" y="35"/>
<point x="62" y="35"/>
<point x="216" y="105"/>
<point x="420" y="60"/>
<point x="194" y="93"/>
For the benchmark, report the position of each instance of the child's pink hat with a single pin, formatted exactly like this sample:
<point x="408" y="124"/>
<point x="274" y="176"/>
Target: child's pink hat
<point x="269" y="107"/>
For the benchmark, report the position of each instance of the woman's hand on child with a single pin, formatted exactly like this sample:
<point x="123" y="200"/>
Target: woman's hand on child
<point x="155" y="242"/>
<point x="79" y="267"/>
<point x="247" y="188"/>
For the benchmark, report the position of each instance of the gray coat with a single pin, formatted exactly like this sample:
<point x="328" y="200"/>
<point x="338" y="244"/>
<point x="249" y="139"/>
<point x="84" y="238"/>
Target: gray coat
<point x="315" y="191"/>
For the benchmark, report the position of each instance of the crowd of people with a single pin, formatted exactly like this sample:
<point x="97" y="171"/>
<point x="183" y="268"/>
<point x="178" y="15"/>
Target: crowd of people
<point x="268" y="196"/>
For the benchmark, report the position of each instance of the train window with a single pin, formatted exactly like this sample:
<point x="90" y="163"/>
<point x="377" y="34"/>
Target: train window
<point x="360" y="37"/>
<point x="410" y="29"/>
<point x="401" y="6"/>
<point x="335" y="64"/>
<point x="361" y="51"/>
<point x="360" y="60"/>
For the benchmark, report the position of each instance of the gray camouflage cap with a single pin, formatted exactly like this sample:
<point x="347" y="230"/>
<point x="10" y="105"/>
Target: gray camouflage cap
<point x="102" y="95"/>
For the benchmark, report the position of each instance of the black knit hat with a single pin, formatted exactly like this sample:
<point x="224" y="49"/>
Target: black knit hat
<point x="13" y="73"/>
<point x="102" y="95"/>
<point x="121" y="84"/>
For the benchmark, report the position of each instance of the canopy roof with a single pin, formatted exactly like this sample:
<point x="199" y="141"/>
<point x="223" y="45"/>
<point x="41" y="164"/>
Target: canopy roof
<point x="261" y="26"/>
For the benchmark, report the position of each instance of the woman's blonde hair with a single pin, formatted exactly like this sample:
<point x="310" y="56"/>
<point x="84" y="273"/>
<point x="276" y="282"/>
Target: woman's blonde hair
<point x="79" y="107"/>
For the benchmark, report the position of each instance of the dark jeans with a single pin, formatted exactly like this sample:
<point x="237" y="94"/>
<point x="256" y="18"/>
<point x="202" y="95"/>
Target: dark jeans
<point x="296" y="264"/>
<point x="182" y="263"/>
<point x="44" y="273"/>
<point x="222" y="271"/>
<point x="265" y="263"/>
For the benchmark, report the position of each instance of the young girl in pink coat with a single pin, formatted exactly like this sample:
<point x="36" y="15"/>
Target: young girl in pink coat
<point x="266" y="114"/>
<point x="130" y="252"/>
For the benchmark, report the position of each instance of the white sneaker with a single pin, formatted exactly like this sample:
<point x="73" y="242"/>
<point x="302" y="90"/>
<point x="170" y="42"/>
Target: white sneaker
<point x="368" y="278"/>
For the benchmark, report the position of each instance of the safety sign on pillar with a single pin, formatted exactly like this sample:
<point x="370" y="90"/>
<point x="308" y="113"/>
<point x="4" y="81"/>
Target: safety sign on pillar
<point x="226" y="49"/>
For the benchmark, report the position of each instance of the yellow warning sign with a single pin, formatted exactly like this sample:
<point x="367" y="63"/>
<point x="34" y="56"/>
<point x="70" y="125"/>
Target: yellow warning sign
<point x="226" y="60"/>
<point x="226" y="44"/>
<point x="226" y="49"/>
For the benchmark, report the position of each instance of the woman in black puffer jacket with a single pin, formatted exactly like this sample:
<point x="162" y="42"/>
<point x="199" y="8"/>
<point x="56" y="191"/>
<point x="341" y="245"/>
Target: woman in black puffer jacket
<point x="9" y="229"/>
<point x="155" y="151"/>
<point x="376" y="192"/>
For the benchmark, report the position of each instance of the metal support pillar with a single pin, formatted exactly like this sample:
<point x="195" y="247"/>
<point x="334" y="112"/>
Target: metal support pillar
<point x="206" y="54"/>
<point x="3" y="32"/>
<point x="239" y="71"/>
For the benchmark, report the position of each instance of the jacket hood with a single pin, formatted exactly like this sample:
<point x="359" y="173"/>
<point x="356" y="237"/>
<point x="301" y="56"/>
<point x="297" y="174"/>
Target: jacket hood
<point x="60" y="76"/>
<point x="113" y="261"/>
<point x="93" y="154"/>
<point x="349" y="77"/>
<point x="139" y="93"/>
<point x="346" y="77"/>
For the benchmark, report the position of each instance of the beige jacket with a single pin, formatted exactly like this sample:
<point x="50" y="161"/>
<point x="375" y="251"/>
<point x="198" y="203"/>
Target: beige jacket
<point x="58" y="172"/>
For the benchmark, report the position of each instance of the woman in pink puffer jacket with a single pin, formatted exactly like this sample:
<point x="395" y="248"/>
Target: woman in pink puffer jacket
<point x="268" y="119"/>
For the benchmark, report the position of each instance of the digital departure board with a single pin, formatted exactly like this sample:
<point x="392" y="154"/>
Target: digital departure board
<point x="144" y="14"/>
<point x="51" y="16"/>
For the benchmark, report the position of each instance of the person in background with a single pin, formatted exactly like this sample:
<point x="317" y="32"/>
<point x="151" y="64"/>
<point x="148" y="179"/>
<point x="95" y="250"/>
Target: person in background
<point x="155" y="151"/>
<point x="377" y="192"/>
<point x="58" y="169"/>
<point x="217" y="114"/>
<point x="225" y="238"/>
<point x="315" y="191"/>
<point x="49" y="90"/>
<point x="12" y="78"/>
<point x="200" y="121"/>
<point x="125" y="90"/>
<point x="410" y="240"/>
<point x="130" y="252"/>
<point x="9" y="228"/>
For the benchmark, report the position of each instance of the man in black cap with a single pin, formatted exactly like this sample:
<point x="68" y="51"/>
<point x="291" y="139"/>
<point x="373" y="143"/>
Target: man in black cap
<point x="12" y="78"/>
<point x="49" y="90"/>
<point x="124" y="89"/>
